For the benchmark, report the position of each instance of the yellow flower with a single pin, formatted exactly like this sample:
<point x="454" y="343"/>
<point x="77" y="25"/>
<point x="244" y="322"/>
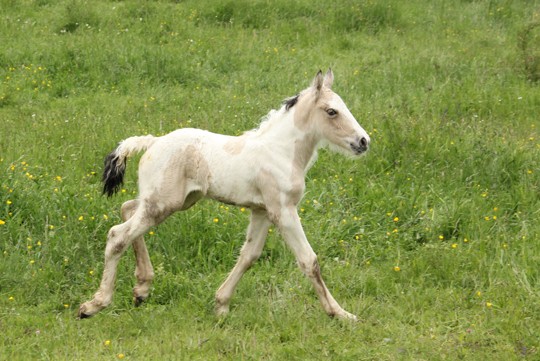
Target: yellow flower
<point x="11" y="298"/>
<point x="397" y="269"/>
<point x="107" y="342"/>
<point x="396" y="219"/>
<point x="441" y="237"/>
<point x="81" y="218"/>
<point x="454" y="245"/>
<point x="121" y="355"/>
<point x="216" y="220"/>
<point x="489" y="304"/>
<point x="2" y="222"/>
<point x="8" y="202"/>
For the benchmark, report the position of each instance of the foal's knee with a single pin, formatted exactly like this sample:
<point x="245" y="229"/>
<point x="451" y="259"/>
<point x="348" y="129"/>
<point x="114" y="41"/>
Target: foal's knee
<point x="310" y="266"/>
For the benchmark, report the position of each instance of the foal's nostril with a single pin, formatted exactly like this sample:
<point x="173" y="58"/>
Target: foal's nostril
<point x="360" y="145"/>
<point x="364" y="143"/>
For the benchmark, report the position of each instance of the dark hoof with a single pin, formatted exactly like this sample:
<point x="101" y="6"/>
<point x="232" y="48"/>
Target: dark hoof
<point x="138" y="300"/>
<point x="83" y="315"/>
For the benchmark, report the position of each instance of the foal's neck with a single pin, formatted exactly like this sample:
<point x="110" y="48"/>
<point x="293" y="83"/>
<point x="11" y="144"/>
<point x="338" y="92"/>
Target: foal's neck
<point x="287" y="139"/>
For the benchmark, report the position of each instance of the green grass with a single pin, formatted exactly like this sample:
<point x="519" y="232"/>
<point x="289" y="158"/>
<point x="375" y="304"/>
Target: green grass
<point x="432" y="238"/>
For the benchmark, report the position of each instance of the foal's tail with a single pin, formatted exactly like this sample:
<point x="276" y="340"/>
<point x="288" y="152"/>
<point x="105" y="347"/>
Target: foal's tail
<point x="115" y="162"/>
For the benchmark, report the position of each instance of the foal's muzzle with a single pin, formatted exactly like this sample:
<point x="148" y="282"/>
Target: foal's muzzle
<point x="360" y="145"/>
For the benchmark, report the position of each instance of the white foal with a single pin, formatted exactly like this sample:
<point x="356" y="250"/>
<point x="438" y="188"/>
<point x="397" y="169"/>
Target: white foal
<point x="263" y="170"/>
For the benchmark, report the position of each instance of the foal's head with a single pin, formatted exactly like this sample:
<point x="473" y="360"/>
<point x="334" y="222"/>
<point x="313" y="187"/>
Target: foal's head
<point x="323" y="113"/>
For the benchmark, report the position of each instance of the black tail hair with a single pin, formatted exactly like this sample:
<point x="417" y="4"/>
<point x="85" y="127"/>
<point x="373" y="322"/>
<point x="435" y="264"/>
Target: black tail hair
<point x="113" y="174"/>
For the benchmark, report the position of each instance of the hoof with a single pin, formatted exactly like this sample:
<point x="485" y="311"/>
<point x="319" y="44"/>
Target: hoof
<point x="347" y="316"/>
<point x="138" y="300"/>
<point x="82" y="316"/>
<point x="89" y="309"/>
<point x="221" y="310"/>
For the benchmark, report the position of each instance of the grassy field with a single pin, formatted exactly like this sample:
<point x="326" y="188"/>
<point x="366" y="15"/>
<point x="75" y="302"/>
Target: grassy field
<point x="432" y="239"/>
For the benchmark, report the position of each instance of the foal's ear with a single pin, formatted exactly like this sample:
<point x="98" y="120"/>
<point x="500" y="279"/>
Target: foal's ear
<point x="321" y="81"/>
<point x="328" y="79"/>
<point x="318" y="81"/>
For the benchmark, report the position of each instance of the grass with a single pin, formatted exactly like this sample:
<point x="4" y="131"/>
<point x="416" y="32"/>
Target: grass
<point x="431" y="239"/>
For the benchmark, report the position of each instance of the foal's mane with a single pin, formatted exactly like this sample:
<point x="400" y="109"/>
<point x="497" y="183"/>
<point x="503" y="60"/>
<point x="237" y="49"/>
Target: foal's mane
<point x="265" y="122"/>
<point x="290" y="102"/>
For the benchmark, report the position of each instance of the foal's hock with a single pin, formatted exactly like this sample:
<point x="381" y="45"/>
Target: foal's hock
<point x="263" y="170"/>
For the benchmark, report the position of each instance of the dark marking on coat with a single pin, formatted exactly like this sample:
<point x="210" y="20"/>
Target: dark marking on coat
<point x="290" y="102"/>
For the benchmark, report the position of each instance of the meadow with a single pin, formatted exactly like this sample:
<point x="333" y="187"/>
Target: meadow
<point x="432" y="238"/>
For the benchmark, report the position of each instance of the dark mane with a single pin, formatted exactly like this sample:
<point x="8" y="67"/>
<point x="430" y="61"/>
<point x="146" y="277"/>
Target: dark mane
<point x="290" y="102"/>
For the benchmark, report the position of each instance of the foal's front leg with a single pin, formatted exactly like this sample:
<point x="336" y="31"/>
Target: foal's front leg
<point x="251" y="251"/>
<point x="293" y="233"/>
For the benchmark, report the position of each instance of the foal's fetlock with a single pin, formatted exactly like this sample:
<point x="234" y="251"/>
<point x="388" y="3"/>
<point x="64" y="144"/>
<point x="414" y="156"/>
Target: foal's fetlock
<point x="221" y="308"/>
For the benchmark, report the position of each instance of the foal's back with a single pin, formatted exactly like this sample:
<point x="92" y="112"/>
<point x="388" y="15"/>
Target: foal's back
<point x="202" y="164"/>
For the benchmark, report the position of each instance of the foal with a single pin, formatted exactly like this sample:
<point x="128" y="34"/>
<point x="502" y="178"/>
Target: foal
<point x="263" y="170"/>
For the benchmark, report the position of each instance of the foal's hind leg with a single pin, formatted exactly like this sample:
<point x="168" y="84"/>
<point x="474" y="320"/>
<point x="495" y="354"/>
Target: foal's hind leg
<point x="251" y="251"/>
<point x="144" y="271"/>
<point x="118" y="240"/>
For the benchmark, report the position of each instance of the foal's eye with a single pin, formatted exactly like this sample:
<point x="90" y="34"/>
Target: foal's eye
<point x="331" y="112"/>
